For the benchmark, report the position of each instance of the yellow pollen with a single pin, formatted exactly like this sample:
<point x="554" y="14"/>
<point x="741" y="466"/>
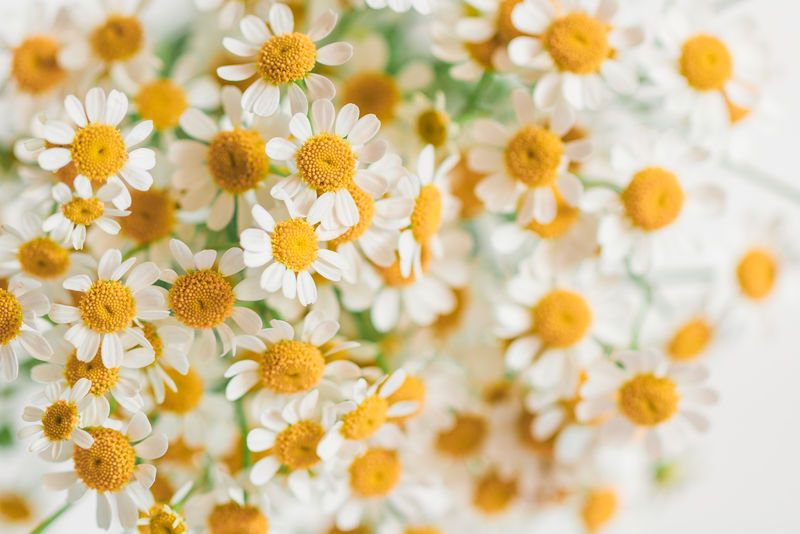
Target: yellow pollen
<point x="108" y="464"/>
<point x="598" y="508"/>
<point x="83" y="210"/>
<point x="296" y="446"/>
<point x="59" y="419"/>
<point x="108" y="306"/>
<point x="577" y="43"/>
<point x="237" y="161"/>
<point x="326" y="162"/>
<point x="162" y="519"/>
<point x="35" y="66"/>
<point x="464" y="438"/>
<point x="648" y="400"/>
<point x="756" y="274"/>
<point x="10" y="317"/>
<point x="155" y="340"/>
<point x="202" y="299"/>
<point x="119" y="38"/>
<point x="561" y="318"/>
<point x="566" y="217"/>
<point x="532" y="156"/>
<point x="152" y="216"/>
<point x="103" y="379"/>
<point x="366" y="211"/>
<point x="41" y="257"/>
<point x="412" y="389"/>
<point x="426" y="218"/>
<point x="494" y="494"/>
<point x="190" y="392"/>
<point x="432" y="127"/>
<point x="373" y="92"/>
<point x="14" y="508"/>
<point x="294" y="244"/>
<point x="98" y="151"/>
<point x="653" y="199"/>
<point x="375" y="473"/>
<point x="366" y="419"/>
<point x="690" y="340"/>
<point x="233" y="518"/>
<point x="163" y="102"/>
<point x="286" y="58"/>
<point x="706" y="63"/>
<point x="291" y="366"/>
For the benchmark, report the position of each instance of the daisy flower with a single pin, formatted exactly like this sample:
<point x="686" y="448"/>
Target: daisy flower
<point x="171" y="344"/>
<point x="290" y="253"/>
<point x="423" y="7"/>
<point x="229" y="12"/>
<point x="527" y="168"/>
<point x="428" y="121"/>
<point x="58" y="424"/>
<point x="96" y="146"/>
<point x="640" y="395"/>
<point x="21" y="304"/>
<point x="81" y="207"/>
<point x="580" y="49"/>
<point x="223" y="167"/>
<point x="324" y="156"/>
<point x="109" y="308"/>
<point x="283" y="56"/>
<point x="109" y="468"/>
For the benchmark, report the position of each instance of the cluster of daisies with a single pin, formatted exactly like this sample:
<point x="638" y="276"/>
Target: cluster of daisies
<point x="409" y="267"/>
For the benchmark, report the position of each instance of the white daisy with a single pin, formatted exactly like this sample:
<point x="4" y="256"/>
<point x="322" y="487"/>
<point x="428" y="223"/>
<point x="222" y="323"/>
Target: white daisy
<point x="229" y="12"/>
<point x="423" y="7"/>
<point x="20" y="307"/>
<point x="171" y="344"/>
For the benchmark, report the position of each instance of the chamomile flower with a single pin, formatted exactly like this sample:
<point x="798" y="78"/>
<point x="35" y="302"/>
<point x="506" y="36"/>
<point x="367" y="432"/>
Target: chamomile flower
<point x="80" y="208"/>
<point x="109" y="468"/>
<point x="108" y="308"/>
<point x="171" y="344"/>
<point x="428" y="121"/>
<point x="58" y="425"/>
<point x="282" y="56"/>
<point x="21" y="304"/>
<point x="580" y="49"/>
<point x="229" y="12"/>
<point x="423" y="7"/>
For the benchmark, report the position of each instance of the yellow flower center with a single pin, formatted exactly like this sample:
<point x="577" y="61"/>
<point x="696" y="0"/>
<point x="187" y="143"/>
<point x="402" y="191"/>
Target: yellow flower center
<point x="598" y="508"/>
<point x="233" y="518"/>
<point x="291" y="366"/>
<point x="103" y="378"/>
<point x="34" y="64"/>
<point x="565" y="219"/>
<point x="541" y="447"/>
<point x="412" y="389"/>
<point x="706" y="63"/>
<point x="162" y="519"/>
<point x="736" y="113"/>
<point x="648" y="400"/>
<point x="561" y="318"/>
<point x="375" y="473"/>
<point x="295" y="244"/>
<point x="151" y="334"/>
<point x="14" y="508"/>
<point x="756" y="274"/>
<point x="690" y="340"/>
<point x="286" y="58"/>
<point x="190" y="388"/>
<point x="67" y="174"/>
<point x="10" y="317"/>
<point x="462" y="186"/>
<point x="366" y="211"/>
<point x="83" y="210"/>
<point x="108" y="464"/>
<point x="202" y="299"/>
<point x="98" y="151"/>
<point x="577" y="43"/>
<point x="152" y="216"/>
<point x="59" y="419"/>
<point x="533" y="155"/>
<point x="464" y="438"/>
<point x="237" y="161"/>
<point x="42" y="257"/>
<point x="163" y="102"/>
<point x="119" y="38"/>
<point x="653" y="199"/>
<point x="108" y="306"/>
<point x="296" y="446"/>
<point x="357" y="530"/>
<point x="493" y="494"/>
<point x="432" y="127"/>
<point x="373" y="92"/>
<point x="426" y="218"/>
<point x="423" y="530"/>
<point x="394" y="277"/>
<point x="326" y="162"/>
<point x="366" y="419"/>
<point x="483" y="52"/>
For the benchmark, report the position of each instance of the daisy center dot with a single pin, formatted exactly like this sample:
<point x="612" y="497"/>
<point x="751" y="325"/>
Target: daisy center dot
<point x="533" y="155"/>
<point x="706" y="63"/>
<point x="494" y="494"/>
<point x="163" y="102"/>
<point x="108" y="306"/>
<point x="365" y="205"/>
<point x="690" y="340"/>
<point x="464" y="438"/>
<point x="34" y="64"/>
<point x="756" y="274"/>
<point x="190" y="388"/>
<point x="108" y="464"/>
<point x="83" y="210"/>
<point x="237" y="161"/>
<point x="59" y="419"/>
<point x="648" y="400"/>
<point x="161" y="519"/>
<point x="565" y="219"/>
<point x="152" y="216"/>
<point x="412" y="389"/>
<point x="598" y="508"/>
<point x="373" y="92"/>
<point x="287" y="58"/>
<point x="432" y="127"/>
<point x="234" y="518"/>
<point x="10" y="317"/>
<point x="375" y="473"/>
<point x="577" y="43"/>
<point x="294" y="244"/>
<point x="296" y="446"/>
<point x="118" y="38"/>
<point x="366" y="419"/>
<point x="426" y="218"/>
<point x="98" y="151"/>
<point x="561" y="318"/>
<point x="202" y="299"/>
<point x="102" y="378"/>
<point x="291" y="366"/>
<point x="326" y="162"/>
<point x="653" y="199"/>
<point x="42" y="257"/>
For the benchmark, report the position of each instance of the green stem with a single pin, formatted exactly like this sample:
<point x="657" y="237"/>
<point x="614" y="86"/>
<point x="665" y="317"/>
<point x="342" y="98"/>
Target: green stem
<point x="647" y="290"/>
<point x="50" y="520"/>
<point x="482" y="86"/>
<point x="589" y="184"/>
<point x="764" y="180"/>
<point x="241" y="420"/>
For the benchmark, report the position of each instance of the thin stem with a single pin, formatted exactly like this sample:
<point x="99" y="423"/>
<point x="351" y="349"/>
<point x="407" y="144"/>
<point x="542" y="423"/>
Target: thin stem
<point x="647" y="291"/>
<point x="482" y="86"/>
<point x="764" y="180"/>
<point x="50" y="520"/>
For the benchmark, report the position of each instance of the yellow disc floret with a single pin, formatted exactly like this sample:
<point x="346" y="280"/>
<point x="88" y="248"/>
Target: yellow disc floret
<point x="756" y="274"/>
<point x="366" y="419"/>
<point x="10" y="317"/>
<point x="373" y="92"/>
<point x="291" y="366"/>
<point x="98" y="151"/>
<point x="648" y="400"/>
<point x="162" y="519"/>
<point x="202" y="299"/>
<point x="412" y="389"/>
<point x="565" y="219"/>
<point x="366" y="211"/>
<point x="426" y="218"/>
<point x="35" y="66"/>
<point x="295" y="244"/>
<point x="464" y="438"/>
<point x="286" y="58"/>
<point x="326" y="162"/>
<point x="119" y="38"/>
<point x="103" y="378"/>
<point x="432" y="127"/>
<point x="422" y="530"/>
<point x="690" y="340"/>
<point x="296" y="446"/>
<point x="375" y="473"/>
<point x="234" y="518"/>
<point x="706" y="63"/>
<point x="83" y="210"/>
<point x="237" y="161"/>
<point x="41" y="257"/>
<point x="108" y="306"/>
<point x="163" y="102"/>
<point x="190" y="388"/>
<point x="14" y="508"/>
<point x="533" y="155"/>
<point x="653" y="199"/>
<point x="59" y="419"/>
<point x="494" y="494"/>
<point x="598" y="508"/>
<point x="561" y="318"/>
<point x="577" y="43"/>
<point x="152" y="216"/>
<point x="108" y="464"/>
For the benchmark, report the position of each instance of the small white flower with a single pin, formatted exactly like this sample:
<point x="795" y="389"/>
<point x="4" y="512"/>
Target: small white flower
<point x="22" y="304"/>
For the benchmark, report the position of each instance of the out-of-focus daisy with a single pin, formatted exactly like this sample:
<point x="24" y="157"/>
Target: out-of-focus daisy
<point x="21" y="304"/>
<point x="171" y="344"/>
<point x="229" y="12"/>
<point x="109" y="308"/>
<point x="428" y="121"/>
<point x="401" y="6"/>
<point x="283" y="56"/>
<point x="580" y="50"/>
<point x="109" y="467"/>
<point x="325" y="155"/>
